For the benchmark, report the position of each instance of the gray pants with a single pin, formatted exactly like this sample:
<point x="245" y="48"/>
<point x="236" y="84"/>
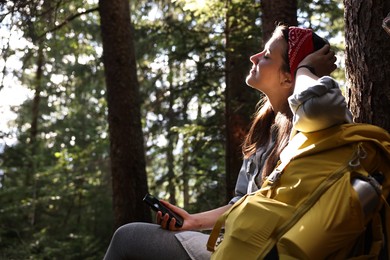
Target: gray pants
<point x="150" y="241"/>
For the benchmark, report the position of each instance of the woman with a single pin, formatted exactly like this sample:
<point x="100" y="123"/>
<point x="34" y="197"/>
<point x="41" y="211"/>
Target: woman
<point x="285" y="72"/>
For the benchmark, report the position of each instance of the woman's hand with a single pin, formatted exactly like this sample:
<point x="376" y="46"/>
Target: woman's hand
<point x="199" y="221"/>
<point x="322" y="61"/>
<point x="164" y="222"/>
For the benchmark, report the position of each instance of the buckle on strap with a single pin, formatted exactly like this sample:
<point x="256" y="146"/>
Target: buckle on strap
<point x="360" y="154"/>
<point x="274" y="177"/>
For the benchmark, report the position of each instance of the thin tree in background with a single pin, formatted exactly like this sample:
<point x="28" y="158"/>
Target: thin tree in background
<point x="368" y="61"/>
<point x="34" y="131"/>
<point x="129" y="181"/>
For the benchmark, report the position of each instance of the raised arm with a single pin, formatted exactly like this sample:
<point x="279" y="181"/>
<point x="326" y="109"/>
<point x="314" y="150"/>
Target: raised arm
<point x="317" y="103"/>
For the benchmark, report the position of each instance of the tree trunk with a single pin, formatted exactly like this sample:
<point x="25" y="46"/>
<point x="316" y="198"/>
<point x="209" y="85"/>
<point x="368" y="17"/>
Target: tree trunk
<point x="185" y="177"/>
<point x="276" y="11"/>
<point x="171" y="138"/>
<point x="31" y="173"/>
<point x="240" y="100"/>
<point x="129" y="182"/>
<point x="185" y="161"/>
<point x="368" y="61"/>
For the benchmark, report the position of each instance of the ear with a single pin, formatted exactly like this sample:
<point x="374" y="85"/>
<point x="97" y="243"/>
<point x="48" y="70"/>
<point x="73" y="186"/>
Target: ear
<point x="286" y="79"/>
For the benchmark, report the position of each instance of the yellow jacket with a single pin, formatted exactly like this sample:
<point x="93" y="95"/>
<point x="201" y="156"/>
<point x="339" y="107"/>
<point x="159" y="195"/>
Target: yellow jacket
<point x="309" y="209"/>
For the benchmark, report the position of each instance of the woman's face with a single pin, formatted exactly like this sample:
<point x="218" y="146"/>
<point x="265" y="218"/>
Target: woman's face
<point x="266" y="74"/>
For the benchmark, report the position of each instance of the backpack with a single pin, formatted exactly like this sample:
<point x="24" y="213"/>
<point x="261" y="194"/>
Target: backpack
<point x="308" y="207"/>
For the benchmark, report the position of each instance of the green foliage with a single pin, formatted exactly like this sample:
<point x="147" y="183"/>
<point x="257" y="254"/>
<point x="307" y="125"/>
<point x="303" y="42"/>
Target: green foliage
<point x="55" y="193"/>
<point x="181" y="75"/>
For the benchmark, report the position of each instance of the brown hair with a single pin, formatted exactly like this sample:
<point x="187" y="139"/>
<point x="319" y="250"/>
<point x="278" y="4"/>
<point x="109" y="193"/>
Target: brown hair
<point x="279" y="126"/>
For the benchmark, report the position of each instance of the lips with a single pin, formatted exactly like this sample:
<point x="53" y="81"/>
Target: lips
<point x="253" y="70"/>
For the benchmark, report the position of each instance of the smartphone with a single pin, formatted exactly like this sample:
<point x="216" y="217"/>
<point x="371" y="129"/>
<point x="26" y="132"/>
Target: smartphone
<point x="156" y="205"/>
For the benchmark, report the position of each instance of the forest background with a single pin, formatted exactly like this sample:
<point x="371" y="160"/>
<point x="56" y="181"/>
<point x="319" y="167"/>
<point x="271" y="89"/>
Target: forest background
<point x="113" y="103"/>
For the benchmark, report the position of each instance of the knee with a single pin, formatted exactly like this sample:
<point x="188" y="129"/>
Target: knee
<point x="125" y="232"/>
<point x="121" y="242"/>
<point x="129" y="239"/>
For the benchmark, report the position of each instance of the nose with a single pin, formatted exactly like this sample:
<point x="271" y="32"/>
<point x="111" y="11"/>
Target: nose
<point x="255" y="58"/>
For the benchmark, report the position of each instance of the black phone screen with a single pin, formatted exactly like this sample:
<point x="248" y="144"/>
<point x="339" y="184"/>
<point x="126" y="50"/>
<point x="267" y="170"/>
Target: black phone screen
<point x="156" y="205"/>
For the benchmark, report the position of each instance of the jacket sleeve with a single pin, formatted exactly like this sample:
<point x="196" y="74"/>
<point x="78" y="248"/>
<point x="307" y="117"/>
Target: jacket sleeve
<point x="319" y="107"/>
<point x="242" y="183"/>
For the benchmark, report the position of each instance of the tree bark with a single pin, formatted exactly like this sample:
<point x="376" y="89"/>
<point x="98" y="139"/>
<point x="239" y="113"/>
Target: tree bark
<point x="129" y="182"/>
<point x="276" y="11"/>
<point x="368" y="61"/>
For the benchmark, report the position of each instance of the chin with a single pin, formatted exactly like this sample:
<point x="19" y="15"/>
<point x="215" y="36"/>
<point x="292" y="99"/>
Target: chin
<point x="250" y="82"/>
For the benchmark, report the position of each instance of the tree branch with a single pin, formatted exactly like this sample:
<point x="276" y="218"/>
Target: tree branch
<point x="67" y="20"/>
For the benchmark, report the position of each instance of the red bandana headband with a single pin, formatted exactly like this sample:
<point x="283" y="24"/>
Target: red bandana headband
<point x="300" y="44"/>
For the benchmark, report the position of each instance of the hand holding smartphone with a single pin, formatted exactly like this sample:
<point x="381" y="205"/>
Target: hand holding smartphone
<point x="156" y="205"/>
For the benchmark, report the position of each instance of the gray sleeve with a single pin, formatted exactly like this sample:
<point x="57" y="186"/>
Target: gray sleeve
<point x="319" y="107"/>
<point x="242" y="183"/>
